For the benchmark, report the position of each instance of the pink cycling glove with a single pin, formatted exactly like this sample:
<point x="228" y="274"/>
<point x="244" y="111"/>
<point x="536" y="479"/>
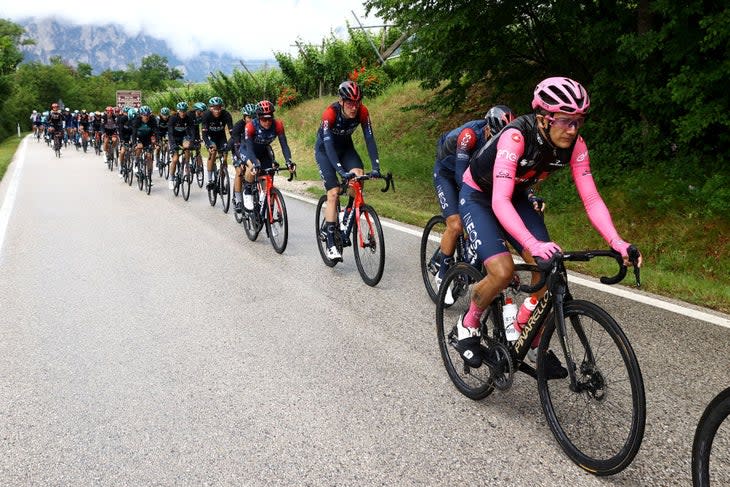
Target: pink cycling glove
<point x="544" y="250"/>
<point x="620" y="246"/>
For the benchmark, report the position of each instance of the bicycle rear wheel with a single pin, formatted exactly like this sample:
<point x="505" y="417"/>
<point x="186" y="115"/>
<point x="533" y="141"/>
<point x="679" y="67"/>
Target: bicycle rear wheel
<point x="277" y="222"/>
<point x="368" y="243"/>
<point x="473" y="383"/>
<point x="715" y="414"/>
<point x="130" y="170"/>
<point x="430" y="255"/>
<point x="600" y="426"/>
<point x="140" y="172"/>
<point x="320" y="235"/>
<point x="225" y="189"/>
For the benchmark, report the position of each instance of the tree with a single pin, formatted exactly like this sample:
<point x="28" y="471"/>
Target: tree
<point x="154" y="74"/>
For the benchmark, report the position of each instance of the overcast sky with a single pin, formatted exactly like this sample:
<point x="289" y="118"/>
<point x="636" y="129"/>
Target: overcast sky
<point x="250" y="29"/>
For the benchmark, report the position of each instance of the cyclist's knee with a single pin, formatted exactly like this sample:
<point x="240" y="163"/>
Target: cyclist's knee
<point x="500" y="270"/>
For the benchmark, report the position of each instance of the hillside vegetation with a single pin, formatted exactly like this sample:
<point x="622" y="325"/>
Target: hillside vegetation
<point x="686" y="254"/>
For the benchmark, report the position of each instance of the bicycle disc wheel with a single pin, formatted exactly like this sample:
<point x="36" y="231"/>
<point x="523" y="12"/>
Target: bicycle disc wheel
<point x="277" y="222"/>
<point x="225" y="190"/>
<point x="199" y="173"/>
<point x="715" y="414"/>
<point x="319" y="232"/>
<point x="601" y="425"/>
<point x="368" y="243"/>
<point x="430" y="255"/>
<point x="474" y="383"/>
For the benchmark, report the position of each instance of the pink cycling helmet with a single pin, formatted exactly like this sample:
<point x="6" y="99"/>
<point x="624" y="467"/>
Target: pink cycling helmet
<point x="560" y="94"/>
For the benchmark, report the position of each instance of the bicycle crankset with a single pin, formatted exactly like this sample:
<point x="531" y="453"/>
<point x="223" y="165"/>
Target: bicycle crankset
<point x="501" y="365"/>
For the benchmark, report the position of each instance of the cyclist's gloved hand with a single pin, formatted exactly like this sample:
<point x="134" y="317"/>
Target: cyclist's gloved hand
<point x="275" y="165"/>
<point x="537" y="203"/>
<point x="623" y="248"/>
<point x="375" y="173"/>
<point x="543" y="250"/>
<point x="291" y="166"/>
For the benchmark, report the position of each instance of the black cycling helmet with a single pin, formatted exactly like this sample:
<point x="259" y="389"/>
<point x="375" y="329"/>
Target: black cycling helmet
<point x="349" y="90"/>
<point x="498" y="117"/>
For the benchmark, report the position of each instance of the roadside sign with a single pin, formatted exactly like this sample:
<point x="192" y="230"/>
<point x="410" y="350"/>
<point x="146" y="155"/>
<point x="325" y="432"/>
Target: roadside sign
<point x="129" y="98"/>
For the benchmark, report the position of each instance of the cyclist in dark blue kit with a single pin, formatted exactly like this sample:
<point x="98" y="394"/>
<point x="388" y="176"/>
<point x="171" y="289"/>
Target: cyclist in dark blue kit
<point x="213" y="127"/>
<point x="335" y="152"/>
<point x="453" y="150"/>
<point x="180" y="134"/>
<point x="260" y="133"/>
<point x="236" y="145"/>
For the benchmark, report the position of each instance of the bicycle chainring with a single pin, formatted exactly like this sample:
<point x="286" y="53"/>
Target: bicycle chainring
<point x="503" y="373"/>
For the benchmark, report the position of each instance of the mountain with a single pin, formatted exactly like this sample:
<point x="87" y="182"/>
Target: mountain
<point x="110" y="47"/>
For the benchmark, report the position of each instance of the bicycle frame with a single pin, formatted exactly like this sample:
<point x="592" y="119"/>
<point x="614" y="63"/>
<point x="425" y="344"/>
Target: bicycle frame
<point x="356" y="202"/>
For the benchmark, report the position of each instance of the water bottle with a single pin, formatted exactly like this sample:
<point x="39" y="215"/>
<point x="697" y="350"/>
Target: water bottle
<point x="509" y="314"/>
<point x="528" y="306"/>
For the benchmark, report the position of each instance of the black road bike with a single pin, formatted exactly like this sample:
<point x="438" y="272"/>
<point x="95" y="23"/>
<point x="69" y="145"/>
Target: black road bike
<point x="597" y="412"/>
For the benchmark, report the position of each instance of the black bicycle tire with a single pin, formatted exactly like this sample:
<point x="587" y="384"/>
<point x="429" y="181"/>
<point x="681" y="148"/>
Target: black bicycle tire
<point x="379" y="243"/>
<point x="213" y="192"/>
<point x="199" y="172"/>
<point x="186" y="182"/>
<point x="148" y="181"/>
<point x="475" y="393"/>
<point x="130" y="168"/>
<point x="225" y="190"/>
<point x="318" y="224"/>
<point x="624" y="457"/>
<point x="424" y="259"/>
<point x="275" y="196"/>
<point x="716" y="412"/>
<point x="140" y="172"/>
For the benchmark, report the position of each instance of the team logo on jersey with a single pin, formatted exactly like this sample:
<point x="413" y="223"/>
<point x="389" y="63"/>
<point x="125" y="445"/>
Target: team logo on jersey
<point x="516" y="137"/>
<point x="503" y="175"/>
<point x="582" y="156"/>
<point x="505" y="154"/>
<point x="465" y="140"/>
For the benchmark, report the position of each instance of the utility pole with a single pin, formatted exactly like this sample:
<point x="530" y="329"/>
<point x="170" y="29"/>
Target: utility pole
<point x="382" y="61"/>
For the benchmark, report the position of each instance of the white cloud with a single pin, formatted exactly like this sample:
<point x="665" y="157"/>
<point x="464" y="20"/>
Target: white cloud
<point x="249" y="29"/>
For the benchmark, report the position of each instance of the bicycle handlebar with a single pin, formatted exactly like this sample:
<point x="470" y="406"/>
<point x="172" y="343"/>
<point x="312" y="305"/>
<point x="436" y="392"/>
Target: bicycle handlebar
<point x="546" y="266"/>
<point x="388" y="178"/>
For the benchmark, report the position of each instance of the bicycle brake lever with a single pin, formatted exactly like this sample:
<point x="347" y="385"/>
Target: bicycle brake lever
<point x="634" y="258"/>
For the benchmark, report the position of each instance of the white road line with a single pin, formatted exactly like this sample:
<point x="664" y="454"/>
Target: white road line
<point x="9" y="202"/>
<point x="719" y="319"/>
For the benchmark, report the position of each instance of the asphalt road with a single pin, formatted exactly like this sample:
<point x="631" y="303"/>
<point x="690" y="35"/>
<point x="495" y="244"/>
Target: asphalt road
<point x="145" y="341"/>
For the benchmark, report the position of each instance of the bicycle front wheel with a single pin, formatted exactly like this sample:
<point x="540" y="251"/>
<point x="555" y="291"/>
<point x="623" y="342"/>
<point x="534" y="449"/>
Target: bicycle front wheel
<point x="225" y="189"/>
<point x="213" y="190"/>
<point x="715" y="414"/>
<point x="474" y="383"/>
<point x="148" y="181"/>
<point x="277" y="221"/>
<point x="368" y="244"/>
<point x="320" y="235"/>
<point x="430" y="255"/>
<point x="199" y="173"/>
<point x="186" y="181"/>
<point x="600" y="421"/>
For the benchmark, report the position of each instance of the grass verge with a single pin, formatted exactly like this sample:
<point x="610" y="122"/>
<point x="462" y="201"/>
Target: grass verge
<point x="7" y="151"/>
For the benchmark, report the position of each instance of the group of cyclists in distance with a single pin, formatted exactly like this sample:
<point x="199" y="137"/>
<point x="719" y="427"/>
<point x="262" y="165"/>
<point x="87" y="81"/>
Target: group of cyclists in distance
<point x="483" y="175"/>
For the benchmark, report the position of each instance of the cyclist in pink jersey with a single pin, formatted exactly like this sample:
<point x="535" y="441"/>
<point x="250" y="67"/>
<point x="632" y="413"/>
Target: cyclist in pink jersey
<point x="495" y="206"/>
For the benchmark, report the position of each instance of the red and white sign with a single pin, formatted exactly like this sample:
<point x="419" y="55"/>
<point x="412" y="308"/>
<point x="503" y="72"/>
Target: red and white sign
<point x="129" y="98"/>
